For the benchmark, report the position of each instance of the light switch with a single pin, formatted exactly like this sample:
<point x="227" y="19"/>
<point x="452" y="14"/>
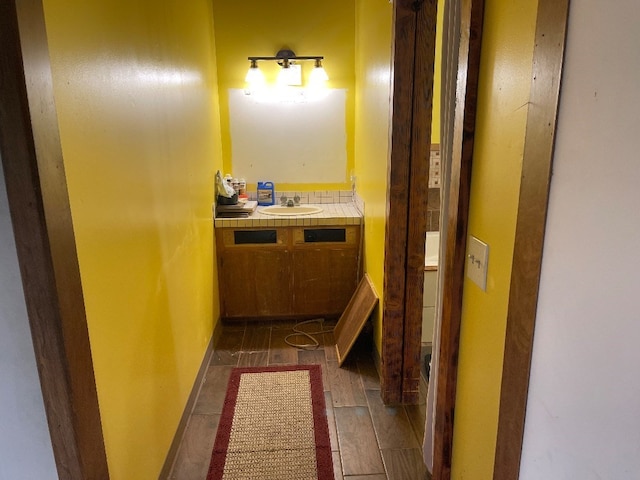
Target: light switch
<point x="477" y="259"/>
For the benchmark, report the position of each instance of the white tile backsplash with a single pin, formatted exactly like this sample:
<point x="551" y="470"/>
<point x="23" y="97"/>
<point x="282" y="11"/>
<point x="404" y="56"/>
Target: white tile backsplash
<point x="320" y="197"/>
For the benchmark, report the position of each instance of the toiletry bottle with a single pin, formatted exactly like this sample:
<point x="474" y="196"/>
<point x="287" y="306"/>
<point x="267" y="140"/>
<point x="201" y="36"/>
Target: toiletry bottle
<point x="266" y="193"/>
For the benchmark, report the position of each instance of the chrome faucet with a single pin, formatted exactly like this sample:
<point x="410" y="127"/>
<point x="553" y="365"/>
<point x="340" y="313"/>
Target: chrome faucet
<point x="288" y="202"/>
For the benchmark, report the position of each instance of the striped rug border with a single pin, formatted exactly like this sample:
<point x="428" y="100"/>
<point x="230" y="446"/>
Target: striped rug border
<point x="324" y="458"/>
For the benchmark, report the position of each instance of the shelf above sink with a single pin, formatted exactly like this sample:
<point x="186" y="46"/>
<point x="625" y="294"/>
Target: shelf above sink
<point x="284" y="211"/>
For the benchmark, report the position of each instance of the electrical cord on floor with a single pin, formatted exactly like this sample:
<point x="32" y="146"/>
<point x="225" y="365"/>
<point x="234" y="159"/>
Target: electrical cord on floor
<point x="310" y="335"/>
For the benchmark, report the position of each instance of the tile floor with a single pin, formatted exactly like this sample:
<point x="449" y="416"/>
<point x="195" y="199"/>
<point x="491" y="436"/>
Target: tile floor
<point x="369" y="441"/>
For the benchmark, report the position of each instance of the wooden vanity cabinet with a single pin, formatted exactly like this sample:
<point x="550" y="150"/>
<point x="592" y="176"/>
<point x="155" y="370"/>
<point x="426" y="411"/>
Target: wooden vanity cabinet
<point x="254" y="279"/>
<point x="308" y="271"/>
<point x="325" y="272"/>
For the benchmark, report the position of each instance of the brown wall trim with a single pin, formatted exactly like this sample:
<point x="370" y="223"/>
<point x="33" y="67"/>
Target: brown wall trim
<point x="424" y="63"/>
<point x="471" y="14"/>
<point x="530" y="226"/>
<point x="413" y="61"/>
<point x="41" y="217"/>
<point x="404" y="31"/>
<point x="191" y="401"/>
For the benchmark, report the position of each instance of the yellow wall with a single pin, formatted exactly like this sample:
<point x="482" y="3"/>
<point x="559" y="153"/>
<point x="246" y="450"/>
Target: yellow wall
<point x="505" y="76"/>
<point x="373" y="72"/>
<point x="261" y="28"/>
<point x="135" y="87"/>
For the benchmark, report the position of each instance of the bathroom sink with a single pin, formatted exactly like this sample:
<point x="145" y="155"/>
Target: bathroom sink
<point x="290" y="211"/>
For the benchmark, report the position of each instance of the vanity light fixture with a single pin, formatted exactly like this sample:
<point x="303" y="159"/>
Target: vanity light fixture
<point x="318" y="77"/>
<point x="254" y="76"/>
<point x="290" y="71"/>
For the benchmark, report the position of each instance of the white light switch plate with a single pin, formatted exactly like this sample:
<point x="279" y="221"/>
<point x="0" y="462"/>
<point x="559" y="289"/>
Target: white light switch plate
<point x="477" y="259"/>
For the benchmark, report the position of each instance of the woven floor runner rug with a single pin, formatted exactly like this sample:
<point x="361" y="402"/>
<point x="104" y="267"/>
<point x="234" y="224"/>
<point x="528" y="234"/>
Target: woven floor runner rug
<point x="273" y="426"/>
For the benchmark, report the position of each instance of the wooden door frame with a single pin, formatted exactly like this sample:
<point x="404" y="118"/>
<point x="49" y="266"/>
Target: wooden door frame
<point x="38" y="199"/>
<point x="464" y="121"/>
<point x="544" y="100"/>
<point x="45" y="242"/>
<point x="547" y="61"/>
<point x="414" y="24"/>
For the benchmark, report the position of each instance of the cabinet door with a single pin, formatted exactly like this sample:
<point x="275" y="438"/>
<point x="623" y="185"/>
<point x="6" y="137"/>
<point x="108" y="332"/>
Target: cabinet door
<point x="324" y="280"/>
<point x="254" y="282"/>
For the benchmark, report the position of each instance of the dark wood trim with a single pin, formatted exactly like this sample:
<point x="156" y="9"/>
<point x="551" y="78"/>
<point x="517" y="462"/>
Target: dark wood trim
<point x="530" y="227"/>
<point x="471" y="15"/>
<point x="414" y="26"/>
<point x="404" y="34"/>
<point x="41" y="217"/>
<point x="424" y="63"/>
<point x="191" y="402"/>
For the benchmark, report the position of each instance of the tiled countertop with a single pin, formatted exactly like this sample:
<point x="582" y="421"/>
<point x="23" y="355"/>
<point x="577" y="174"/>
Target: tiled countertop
<point x="332" y="214"/>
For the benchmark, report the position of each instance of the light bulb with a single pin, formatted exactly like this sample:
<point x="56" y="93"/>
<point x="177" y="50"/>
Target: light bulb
<point x="254" y="77"/>
<point x="318" y="76"/>
<point x="286" y="76"/>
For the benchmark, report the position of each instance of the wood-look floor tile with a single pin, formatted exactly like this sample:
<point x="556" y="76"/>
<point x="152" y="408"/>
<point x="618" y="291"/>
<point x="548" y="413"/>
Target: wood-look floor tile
<point x="314" y="338"/>
<point x="424" y="389"/>
<point x="346" y="387"/>
<point x="254" y="359"/>
<point x="417" y="413"/>
<point x="368" y="373"/>
<point x="283" y="324"/>
<point x="227" y="351"/>
<point x="354" y="435"/>
<point x="256" y="337"/>
<point x="417" y="418"/>
<point x="280" y="353"/>
<point x="368" y="477"/>
<point x="315" y="357"/>
<point x="330" y="347"/>
<point x="331" y="420"/>
<point x="337" y="466"/>
<point x="404" y="464"/>
<point x="391" y="424"/>
<point x="255" y="347"/>
<point x="315" y="327"/>
<point x="358" y="446"/>
<point x="194" y="455"/>
<point x="211" y="397"/>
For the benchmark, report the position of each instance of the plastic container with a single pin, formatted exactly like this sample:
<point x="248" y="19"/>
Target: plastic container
<point x="266" y="193"/>
<point x="242" y="187"/>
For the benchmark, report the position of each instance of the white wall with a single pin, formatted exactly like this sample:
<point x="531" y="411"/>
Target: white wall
<point x="25" y="446"/>
<point x="583" y="414"/>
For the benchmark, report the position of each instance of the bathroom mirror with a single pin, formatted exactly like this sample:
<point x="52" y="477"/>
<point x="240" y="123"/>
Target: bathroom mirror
<point x="299" y="137"/>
